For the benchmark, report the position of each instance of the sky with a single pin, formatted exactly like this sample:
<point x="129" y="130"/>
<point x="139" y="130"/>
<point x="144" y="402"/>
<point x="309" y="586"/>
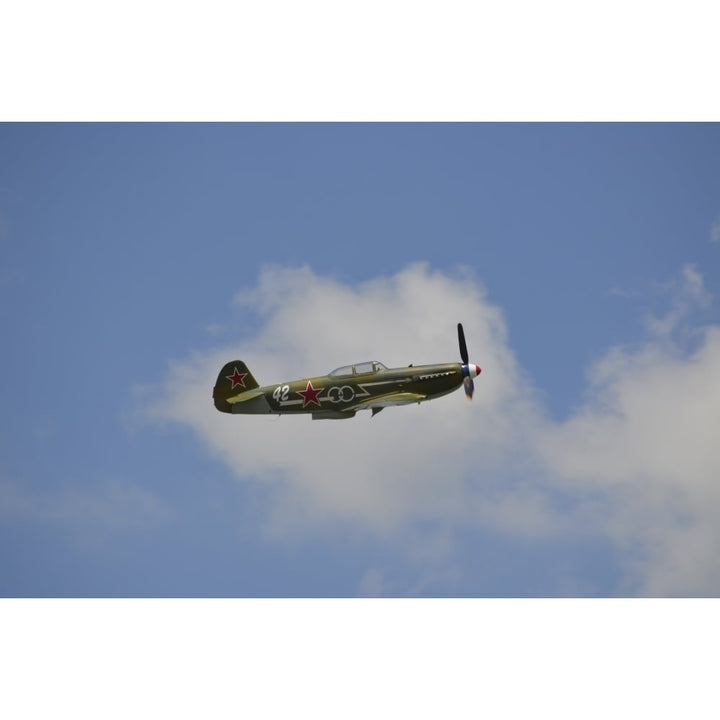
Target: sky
<point x="582" y="259"/>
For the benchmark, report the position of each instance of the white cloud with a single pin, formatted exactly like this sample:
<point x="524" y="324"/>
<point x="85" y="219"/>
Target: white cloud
<point x="404" y="464"/>
<point x="637" y="463"/>
<point x="646" y="442"/>
<point x="715" y="232"/>
<point x="686" y="294"/>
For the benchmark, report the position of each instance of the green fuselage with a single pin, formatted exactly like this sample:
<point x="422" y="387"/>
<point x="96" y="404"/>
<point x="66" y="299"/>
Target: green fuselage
<point x="343" y="392"/>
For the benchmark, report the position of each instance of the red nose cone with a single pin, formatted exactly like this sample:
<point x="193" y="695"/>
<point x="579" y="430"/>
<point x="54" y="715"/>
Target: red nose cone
<point x="478" y="369"/>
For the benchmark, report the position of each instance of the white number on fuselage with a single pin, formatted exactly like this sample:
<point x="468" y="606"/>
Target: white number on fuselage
<point x="281" y="393"/>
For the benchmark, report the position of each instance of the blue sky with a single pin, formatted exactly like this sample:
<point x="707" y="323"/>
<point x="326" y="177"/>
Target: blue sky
<point x="582" y="258"/>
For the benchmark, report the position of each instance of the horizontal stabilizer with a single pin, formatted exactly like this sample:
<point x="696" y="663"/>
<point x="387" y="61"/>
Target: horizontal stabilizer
<point x="245" y="396"/>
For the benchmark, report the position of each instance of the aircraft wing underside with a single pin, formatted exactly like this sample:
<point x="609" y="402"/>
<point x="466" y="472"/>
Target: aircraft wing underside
<point x="387" y="400"/>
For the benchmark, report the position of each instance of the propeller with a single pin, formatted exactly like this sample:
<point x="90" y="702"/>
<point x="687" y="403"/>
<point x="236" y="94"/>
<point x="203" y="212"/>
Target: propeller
<point x="463" y="346"/>
<point x="468" y="371"/>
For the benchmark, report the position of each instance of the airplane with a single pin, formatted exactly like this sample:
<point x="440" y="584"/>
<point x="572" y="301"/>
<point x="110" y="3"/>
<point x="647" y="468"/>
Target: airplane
<point x="342" y="392"/>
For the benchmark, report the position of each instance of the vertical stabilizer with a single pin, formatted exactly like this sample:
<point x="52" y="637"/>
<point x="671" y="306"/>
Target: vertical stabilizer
<point x="234" y="379"/>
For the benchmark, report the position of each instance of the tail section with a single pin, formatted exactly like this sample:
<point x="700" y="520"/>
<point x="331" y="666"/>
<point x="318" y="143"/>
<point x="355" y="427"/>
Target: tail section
<point x="234" y="379"/>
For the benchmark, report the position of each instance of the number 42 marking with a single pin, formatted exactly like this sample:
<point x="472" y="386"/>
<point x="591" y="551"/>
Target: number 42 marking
<point x="281" y="393"/>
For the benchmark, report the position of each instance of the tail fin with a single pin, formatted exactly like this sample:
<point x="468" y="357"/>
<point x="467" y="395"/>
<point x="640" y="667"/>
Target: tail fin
<point x="234" y="378"/>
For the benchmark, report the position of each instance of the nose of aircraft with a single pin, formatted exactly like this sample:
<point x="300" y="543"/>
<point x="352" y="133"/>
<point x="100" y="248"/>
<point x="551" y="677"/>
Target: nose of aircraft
<point x="471" y="370"/>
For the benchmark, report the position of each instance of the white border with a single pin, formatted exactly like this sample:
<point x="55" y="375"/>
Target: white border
<point x="376" y="60"/>
<point x="359" y="658"/>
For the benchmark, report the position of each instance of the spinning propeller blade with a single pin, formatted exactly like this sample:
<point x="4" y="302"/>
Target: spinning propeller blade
<point x="463" y="346"/>
<point x="469" y="371"/>
<point x="469" y="386"/>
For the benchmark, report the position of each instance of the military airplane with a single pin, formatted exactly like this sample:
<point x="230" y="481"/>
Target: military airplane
<point x="342" y="392"/>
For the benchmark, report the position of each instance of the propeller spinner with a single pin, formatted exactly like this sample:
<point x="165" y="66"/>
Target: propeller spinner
<point x="468" y="371"/>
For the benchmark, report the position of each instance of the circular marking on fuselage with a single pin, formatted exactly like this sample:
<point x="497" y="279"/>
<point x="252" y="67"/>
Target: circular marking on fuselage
<point x="338" y="394"/>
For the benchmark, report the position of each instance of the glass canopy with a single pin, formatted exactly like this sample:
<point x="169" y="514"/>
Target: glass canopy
<point x="363" y="368"/>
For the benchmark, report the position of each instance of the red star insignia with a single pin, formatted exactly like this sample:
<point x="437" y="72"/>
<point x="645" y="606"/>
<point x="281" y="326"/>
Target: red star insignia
<point x="310" y="395"/>
<point x="237" y="378"/>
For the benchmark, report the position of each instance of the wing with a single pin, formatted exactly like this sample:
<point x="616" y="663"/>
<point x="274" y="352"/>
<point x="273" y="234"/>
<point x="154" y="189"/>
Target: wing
<point x="386" y="400"/>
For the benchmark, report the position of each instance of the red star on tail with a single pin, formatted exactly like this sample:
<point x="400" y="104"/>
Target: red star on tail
<point x="237" y="378"/>
<point x="310" y="395"/>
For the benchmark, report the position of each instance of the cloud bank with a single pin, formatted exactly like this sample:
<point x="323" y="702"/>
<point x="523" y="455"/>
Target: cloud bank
<point x="636" y="464"/>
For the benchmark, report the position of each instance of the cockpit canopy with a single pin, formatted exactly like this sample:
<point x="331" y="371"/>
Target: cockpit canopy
<point x="363" y="368"/>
